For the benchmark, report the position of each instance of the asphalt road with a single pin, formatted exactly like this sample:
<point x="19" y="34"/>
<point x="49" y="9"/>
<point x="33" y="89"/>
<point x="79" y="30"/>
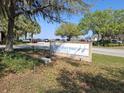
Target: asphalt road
<point x="105" y="51"/>
<point x="42" y="45"/>
<point x="109" y="51"/>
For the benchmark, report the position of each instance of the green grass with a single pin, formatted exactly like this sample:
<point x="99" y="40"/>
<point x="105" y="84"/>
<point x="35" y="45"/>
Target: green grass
<point x="108" y="60"/>
<point x="16" y="62"/>
<point x="104" y="75"/>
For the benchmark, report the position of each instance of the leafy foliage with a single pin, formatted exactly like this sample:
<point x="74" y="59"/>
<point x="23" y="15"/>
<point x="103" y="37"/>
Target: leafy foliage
<point x="68" y="30"/>
<point x="22" y="26"/>
<point x="52" y="10"/>
<point x="107" y="22"/>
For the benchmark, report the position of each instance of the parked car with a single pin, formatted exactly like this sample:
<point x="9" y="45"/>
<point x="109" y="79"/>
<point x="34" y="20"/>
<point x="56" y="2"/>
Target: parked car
<point x="26" y="40"/>
<point x="116" y="41"/>
<point x="46" y="40"/>
<point x="34" y="41"/>
<point x="57" y="39"/>
<point x="39" y="40"/>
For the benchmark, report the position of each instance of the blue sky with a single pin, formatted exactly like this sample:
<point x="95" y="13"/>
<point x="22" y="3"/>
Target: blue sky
<point x="48" y="29"/>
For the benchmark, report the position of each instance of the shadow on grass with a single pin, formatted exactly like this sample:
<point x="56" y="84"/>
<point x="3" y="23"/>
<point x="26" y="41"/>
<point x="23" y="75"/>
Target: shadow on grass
<point x="2" y="69"/>
<point x="78" y="82"/>
<point x="117" y="72"/>
<point x="2" y="66"/>
<point x="55" y="91"/>
<point x="25" y="55"/>
<point x="74" y="63"/>
<point x="18" y="61"/>
<point x="31" y="52"/>
<point x="71" y="62"/>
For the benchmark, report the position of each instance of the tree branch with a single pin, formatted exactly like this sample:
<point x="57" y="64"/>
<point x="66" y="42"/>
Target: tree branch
<point x="32" y="11"/>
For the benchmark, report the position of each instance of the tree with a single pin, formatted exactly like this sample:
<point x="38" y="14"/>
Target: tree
<point x="22" y="26"/>
<point x="106" y="23"/>
<point x="96" y="21"/>
<point x="69" y="30"/>
<point x="119" y="21"/>
<point x="51" y="10"/>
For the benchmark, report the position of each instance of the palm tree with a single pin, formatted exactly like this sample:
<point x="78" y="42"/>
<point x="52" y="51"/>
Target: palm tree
<point x="52" y="10"/>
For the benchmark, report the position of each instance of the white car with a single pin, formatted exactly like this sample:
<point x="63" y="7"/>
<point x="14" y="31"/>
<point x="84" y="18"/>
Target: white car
<point x="117" y="41"/>
<point x="26" y="40"/>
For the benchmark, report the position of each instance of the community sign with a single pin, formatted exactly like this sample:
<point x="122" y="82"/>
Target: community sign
<point x="79" y="51"/>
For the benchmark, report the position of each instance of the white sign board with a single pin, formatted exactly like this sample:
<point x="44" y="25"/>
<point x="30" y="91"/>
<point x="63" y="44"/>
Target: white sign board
<point x="72" y="49"/>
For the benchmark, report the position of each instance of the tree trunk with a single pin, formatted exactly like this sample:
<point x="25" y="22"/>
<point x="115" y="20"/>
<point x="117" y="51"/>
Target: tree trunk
<point x="25" y="35"/>
<point x="10" y="36"/>
<point x="10" y="33"/>
<point x="69" y="38"/>
<point x="17" y="37"/>
<point x="98" y="38"/>
<point x="32" y="37"/>
<point x="32" y="34"/>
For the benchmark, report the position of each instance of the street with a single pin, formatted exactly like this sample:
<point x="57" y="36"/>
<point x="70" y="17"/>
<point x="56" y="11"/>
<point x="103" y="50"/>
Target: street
<point x="43" y="45"/>
<point x="109" y="51"/>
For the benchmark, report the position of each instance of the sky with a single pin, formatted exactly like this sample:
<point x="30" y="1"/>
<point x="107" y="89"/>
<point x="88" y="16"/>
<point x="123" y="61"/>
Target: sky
<point x="48" y="29"/>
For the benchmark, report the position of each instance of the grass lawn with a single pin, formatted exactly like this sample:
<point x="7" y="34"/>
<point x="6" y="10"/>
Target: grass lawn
<point x="104" y="75"/>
